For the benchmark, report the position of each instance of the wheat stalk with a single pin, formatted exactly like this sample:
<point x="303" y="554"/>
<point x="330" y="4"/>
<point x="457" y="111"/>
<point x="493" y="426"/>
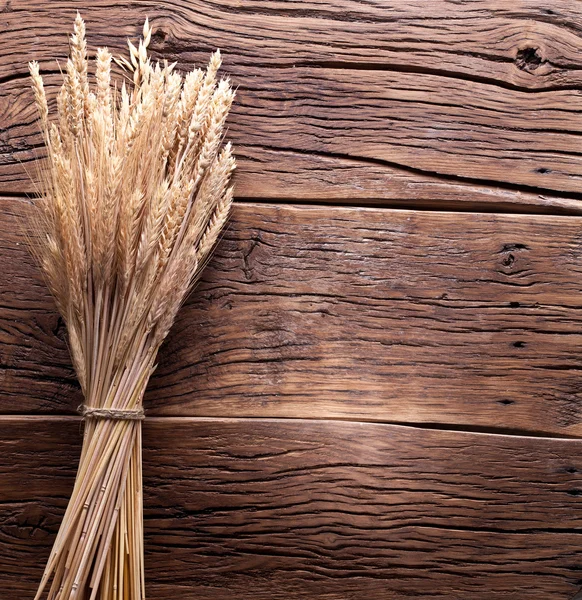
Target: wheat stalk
<point x="135" y="192"/>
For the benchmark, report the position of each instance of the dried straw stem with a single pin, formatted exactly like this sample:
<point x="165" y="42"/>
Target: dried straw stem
<point x="135" y="192"/>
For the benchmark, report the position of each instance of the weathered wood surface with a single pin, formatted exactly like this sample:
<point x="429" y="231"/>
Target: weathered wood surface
<point x="371" y="314"/>
<point x="275" y="509"/>
<point x="393" y="94"/>
<point x="326" y="315"/>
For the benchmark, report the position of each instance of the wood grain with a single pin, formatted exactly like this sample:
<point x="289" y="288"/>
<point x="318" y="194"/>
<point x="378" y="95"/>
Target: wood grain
<point x="305" y="177"/>
<point x="399" y="316"/>
<point x="476" y="39"/>
<point x="266" y="477"/>
<point x="475" y="92"/>
<point x="275" y="509"/>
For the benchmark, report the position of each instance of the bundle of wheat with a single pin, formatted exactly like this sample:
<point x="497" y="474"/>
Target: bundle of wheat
<point x="134" y="194"/>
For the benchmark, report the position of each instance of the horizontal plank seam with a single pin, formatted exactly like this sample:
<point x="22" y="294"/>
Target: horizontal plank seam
<point x="457" y="206"/>
<point x="513" y="209"/>
<point x="445" y="427"/>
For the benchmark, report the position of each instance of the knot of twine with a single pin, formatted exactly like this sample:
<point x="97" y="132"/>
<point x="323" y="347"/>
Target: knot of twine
<point x="117" y="414"/>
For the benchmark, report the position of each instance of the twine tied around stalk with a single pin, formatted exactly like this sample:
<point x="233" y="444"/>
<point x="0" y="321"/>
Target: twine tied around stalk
<point x="116" y="414"/>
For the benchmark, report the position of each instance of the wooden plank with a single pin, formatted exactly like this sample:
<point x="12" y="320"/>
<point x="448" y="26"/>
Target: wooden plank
<point x="429" y="123"/>
<point x="352" y="313"/>
<point x="475" y="91"/>
<point x="272" y="509"/>
<point x="291" y="176"/>
<point x="478" y="39"/>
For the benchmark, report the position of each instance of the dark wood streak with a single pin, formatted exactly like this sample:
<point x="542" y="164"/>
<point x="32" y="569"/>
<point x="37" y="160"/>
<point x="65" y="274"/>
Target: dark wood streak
<point x="277" y="509"/>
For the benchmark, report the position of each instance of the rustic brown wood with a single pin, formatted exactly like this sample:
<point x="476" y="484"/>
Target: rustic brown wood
<point x="273" y="509"/>
<point x="481" y="91"/>
<point x="477" y="39"/>
<point x="327" y="316"/>
<point x="399" y="316"/>
<point x="291" y="176"/>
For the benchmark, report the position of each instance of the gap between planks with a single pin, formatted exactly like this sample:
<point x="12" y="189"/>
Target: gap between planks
<point x="480" y="431"/>
<point x="572" y="206"/>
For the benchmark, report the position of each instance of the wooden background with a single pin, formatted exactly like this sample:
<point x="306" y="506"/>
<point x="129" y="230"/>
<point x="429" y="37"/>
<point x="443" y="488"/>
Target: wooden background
<point x="376" y="390"/>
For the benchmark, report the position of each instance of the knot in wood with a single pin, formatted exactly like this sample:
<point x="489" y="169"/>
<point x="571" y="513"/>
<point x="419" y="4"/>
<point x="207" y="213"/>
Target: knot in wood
<point x="528" y="59"/>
